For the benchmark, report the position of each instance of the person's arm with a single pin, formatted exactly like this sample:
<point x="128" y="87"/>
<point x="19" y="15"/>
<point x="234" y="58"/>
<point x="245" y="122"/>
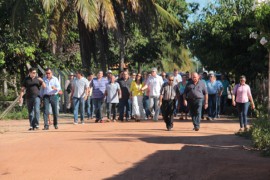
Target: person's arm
<point x="86" y="91"/>
<point x="233" y="95"/>
<point x="205" y="101"/>
<point x="43" y="85"/>
<point x="161" y="95"/>
<point x="251" y="99"/>
<point x="21" y="94"/>
<point x="72" y="92"/>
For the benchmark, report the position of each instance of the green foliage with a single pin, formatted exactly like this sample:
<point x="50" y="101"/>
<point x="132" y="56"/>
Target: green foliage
<point x="220" y="39"/>
<point x="260" y="132"/>
<point x="18" y="113"/>
<point x="2" y="58"/>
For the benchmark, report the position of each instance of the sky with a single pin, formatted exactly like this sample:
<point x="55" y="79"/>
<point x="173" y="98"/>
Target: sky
<point x="202" y="3"/>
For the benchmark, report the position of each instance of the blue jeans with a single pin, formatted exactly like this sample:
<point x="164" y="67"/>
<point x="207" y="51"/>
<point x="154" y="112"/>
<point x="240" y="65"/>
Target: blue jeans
<point x="89" y="107"/>
<point x="33" y="105"/>
<point x="53" y="101"/>
<point x="223" y="103"/>
<point x="98" y="102"/>
<point x="195" y="109"/>
<point x="78" y="103"/>
<point x="123" y="103"/>
<point x="154" y="105"/>
<point x="242" y="113"/>
<point x="212" y="105"/>
<point x="146" y="105"/>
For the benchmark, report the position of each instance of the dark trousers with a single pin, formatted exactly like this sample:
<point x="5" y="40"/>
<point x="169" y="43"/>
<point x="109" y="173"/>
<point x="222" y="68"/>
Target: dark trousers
<point x="212" y="105"/>
<point x="33" y="105"/>
<point x="123" y="103"/>
<point x="223" y="103"/>
<point x="111" y="110"/>
<point x="89" y="107"/>
<point x="52" y="99"/>
<point x="195" y="109"/>
<point x="168" y="107"/>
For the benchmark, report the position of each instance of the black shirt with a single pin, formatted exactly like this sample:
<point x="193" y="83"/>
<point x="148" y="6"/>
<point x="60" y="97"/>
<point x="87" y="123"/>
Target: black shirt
<point x="197" y="91"/>
<point x="32" y="87"/>
<point x="125" y="87"/>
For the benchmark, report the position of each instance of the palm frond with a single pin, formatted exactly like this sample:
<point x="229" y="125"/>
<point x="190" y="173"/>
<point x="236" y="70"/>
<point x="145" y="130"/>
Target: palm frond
<point x="167" y="16"/>
<point x="88" y="12"/>
<point x="107" y="13"/>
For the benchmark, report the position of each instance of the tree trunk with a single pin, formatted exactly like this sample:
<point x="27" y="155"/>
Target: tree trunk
<point x="87" y="44"/>
<point x="103" y="35"/>
<point x="268" y="98"/>
<point x="5" y="85"/>
<point x="122" y="51"/>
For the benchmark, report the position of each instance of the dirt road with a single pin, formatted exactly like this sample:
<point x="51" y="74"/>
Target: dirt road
<point x="141" y="150"/>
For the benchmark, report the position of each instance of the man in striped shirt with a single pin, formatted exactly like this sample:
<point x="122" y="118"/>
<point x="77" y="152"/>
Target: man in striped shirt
<point x="167" y="99"/>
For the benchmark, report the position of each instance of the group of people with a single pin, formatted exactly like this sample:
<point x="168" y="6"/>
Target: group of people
<point x="140" y="96"/>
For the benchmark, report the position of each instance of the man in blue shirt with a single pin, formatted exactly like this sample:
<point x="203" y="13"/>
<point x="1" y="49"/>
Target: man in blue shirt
<point x="98" y="86"/>
<point x="50" y="97"/>
<point x="214" y="89"/>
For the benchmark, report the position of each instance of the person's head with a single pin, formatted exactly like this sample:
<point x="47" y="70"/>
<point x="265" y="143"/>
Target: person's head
<point x="204" y="75"/>
<point x="112" y="78"/>
<point x="187" y="74"/>
<point x="175" y="72"/>
<point x="163" y="75"/>
<point x="79" y="74"/>
<point x="133" y="75"/>
<point x="184" y="78"/>
<point x="90" y="76"/>
<point x="139" y="78"/>
<point x="125" y="75"/>
<point x="242" y="79"/>
<point x="109" y="73"/>
<point x="49" y="73"/>
<point x="70" y="76"/>
<point x="212" y="76"/>
<point x="154" y="72"/>
<point x="195" y="77"/>
<point x="170" y="79"/>
<point x="100" y="74"/>
<point x="32" y="72"/>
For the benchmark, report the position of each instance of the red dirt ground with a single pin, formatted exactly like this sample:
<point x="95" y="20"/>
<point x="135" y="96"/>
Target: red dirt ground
<point x="129" y="150"/>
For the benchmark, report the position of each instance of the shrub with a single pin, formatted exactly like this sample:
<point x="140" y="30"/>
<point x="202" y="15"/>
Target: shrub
<point x="18" y="113"/>
<point x="260" y="134"/>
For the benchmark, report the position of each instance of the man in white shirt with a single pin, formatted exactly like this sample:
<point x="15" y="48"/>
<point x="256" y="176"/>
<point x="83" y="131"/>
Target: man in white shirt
<point x="177" y="77"/>
<point x="79" y="95"/>
<point x="154" y="83"/>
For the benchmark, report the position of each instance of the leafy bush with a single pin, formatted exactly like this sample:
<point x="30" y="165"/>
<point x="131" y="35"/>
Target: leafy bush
<point x="18" y="113"/>
<point x="260" y="134"/>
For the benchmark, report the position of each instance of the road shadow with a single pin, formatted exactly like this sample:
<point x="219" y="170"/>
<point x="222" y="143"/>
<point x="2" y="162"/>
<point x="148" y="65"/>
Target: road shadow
<point x="208" y="157"/>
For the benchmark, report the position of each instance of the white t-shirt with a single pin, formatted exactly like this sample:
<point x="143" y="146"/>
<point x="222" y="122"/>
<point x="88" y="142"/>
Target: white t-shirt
<point x="154" y="84"/>
<point x="112" y="92"/>
<point x="177" y="79"/>
<point x="80" y="85"/>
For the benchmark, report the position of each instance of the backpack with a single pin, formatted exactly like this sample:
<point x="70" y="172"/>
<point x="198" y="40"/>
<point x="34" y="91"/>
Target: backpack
<point x="69" y="88"/>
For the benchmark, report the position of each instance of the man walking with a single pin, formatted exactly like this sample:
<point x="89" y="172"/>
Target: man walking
<point x="167" y="99"/>
<point x="32" y="85"/>
<point x="125" y="83"/>
<point x="50" y="97"/>
<point x="98" y="86"/>
<point x="154" y="82"/>
<point x="79" y="95"/>
<point x="194" y="95"/>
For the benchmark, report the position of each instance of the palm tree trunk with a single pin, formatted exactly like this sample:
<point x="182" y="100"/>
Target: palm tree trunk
<point x="268" y="107"/>
<point x="85" y="45"/>
<point x="103" y="35"/>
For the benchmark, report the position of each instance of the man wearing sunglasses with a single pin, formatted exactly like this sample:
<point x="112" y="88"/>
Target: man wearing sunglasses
<point x="32" y="84"/>
<point x="167" y="99"/>
<point x="50" y="97"/>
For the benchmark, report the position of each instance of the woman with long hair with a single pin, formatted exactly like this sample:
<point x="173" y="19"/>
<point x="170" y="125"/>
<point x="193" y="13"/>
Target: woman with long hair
<point x="137" y="98"/>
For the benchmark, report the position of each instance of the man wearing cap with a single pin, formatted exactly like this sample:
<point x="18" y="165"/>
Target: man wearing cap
<point x="68" y="88"/>
<point x="109" y="75"/>
<point x="214" y="89"/>
<point x="154" y="83"/>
